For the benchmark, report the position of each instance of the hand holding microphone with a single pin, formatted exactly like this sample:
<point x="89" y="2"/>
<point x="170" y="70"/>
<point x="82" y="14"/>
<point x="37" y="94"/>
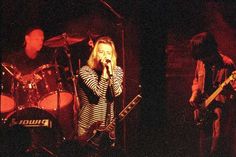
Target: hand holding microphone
<point x="108" y="66"/>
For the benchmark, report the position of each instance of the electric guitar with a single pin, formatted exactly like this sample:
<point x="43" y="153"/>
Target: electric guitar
<point x="204" y="113"/>
<point x="101" y="138"/>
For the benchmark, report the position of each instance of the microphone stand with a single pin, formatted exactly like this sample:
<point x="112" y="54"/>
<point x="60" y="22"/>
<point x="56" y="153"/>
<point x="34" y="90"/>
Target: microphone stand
<point x="111" y="9"/>
<point x="121" y="25"/>
<point x="111" y="91"/>
<point x="76" y="102"/>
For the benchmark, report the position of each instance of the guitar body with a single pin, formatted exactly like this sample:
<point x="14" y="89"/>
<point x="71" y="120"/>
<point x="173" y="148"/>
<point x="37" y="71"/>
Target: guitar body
<point x="203" y="117"/>
<point x="97" y="137"/>
<point x="90" y="133"/>
<point x="101" y="140"/>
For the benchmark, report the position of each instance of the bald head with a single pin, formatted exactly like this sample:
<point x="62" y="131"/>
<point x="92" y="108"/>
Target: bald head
<point x="34" y="42"/>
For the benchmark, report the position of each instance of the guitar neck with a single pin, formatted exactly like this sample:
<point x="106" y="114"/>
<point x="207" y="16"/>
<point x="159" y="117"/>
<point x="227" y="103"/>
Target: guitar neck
<point x="124" y="112"/>
<point x="129" y="107"/>
<point x="217" y="92"/>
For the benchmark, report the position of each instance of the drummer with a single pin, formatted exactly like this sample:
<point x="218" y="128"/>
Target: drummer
<point x="31" y="56"/>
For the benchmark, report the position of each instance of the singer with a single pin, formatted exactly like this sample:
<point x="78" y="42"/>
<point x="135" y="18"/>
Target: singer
<point x="99" y="82"/>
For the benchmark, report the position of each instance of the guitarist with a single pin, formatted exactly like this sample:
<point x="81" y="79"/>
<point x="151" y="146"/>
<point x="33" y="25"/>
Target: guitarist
<point x="212" y="68"/>
<point x="99" y="82"/>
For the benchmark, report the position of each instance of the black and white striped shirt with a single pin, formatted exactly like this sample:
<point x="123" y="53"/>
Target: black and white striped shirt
<point x="94" y="95"/>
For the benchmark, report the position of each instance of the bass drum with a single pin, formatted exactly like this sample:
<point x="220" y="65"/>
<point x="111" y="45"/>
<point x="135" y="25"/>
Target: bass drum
<point x="45" y="131"/>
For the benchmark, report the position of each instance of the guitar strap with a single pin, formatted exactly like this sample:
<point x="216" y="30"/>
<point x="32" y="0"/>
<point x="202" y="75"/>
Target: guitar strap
<point x="214" y="77"/>
<point x="211" y="78"/>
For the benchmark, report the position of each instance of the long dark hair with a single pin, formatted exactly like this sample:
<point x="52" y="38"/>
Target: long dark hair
<point x="203" y="45"/>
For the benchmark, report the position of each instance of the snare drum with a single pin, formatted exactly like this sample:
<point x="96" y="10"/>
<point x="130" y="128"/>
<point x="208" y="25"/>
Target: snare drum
<point x="51" y="79"/>
<point x="7" y="87"/>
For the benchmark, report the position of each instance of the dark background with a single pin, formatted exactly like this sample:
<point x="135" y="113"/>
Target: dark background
<point x="156" y="57"/>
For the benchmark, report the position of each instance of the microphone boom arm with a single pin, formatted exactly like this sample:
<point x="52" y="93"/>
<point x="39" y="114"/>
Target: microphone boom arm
<point x="111" y="9"/>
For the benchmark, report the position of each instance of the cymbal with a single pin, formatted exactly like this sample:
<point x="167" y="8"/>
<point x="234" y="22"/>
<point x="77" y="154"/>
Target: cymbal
<point x="62" y="40"/>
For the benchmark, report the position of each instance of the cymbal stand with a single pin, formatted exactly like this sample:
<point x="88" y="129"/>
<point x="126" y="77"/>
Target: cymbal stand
<point x="58" y="79"/>
<point x="67" y="51"/>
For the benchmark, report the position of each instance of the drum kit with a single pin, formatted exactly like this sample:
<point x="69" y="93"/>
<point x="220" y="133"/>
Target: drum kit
<point x="38" y="101"/>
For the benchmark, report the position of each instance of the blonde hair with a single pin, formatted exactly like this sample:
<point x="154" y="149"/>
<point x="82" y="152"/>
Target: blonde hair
<point x="92" y="61"/>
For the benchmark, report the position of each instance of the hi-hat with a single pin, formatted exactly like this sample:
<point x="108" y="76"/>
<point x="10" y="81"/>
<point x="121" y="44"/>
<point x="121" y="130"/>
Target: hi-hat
<point x="62" y="40"/>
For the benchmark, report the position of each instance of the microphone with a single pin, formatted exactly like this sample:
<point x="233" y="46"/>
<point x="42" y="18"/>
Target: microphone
<point x="109" y="69"/>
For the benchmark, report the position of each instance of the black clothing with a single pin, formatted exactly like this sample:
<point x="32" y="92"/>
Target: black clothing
<point x="25" y="65"/>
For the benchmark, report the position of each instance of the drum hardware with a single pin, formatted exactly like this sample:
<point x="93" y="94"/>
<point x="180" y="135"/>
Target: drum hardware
<point x="59" y="85"/>
<point x="28" y="94"/>
<point x="68" y="54"/>
<point x="45" y="81"/>
<point x="44" y="149"/>
<point x="16" y="75"/>
<point x="64" y="40"/>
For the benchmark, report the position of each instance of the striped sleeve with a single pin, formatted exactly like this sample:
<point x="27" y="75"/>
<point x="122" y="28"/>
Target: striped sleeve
<point x="90" y="79"/>
<point x="117" y="81"/>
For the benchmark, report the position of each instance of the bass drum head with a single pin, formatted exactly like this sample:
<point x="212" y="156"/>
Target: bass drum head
<point x="45" y="130"/>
